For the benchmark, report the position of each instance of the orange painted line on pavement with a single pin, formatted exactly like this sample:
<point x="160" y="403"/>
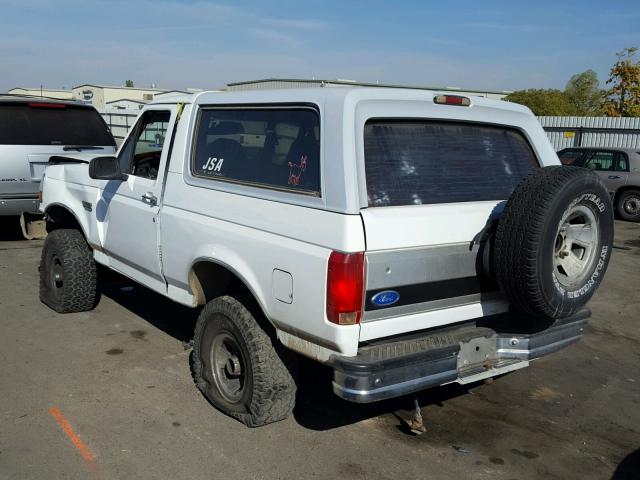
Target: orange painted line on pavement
<point x="68" y="430"/>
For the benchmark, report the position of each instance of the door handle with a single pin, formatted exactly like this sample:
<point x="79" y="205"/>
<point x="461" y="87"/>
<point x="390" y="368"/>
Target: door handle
<point x="613" y="177"/>
<point x="150" y="198"/>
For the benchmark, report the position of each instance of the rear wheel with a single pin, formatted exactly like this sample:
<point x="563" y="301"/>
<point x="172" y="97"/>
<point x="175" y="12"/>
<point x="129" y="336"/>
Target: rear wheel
<point x="68" y="278"/>
<point x="553" y="241"/>
<point x="628" y="205"/>
<point x="239" y="367"/>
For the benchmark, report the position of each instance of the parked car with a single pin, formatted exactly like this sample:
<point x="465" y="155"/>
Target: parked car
<point x="404" y="238"/>
<point x="619" y="169"/>
<point x="32" y="129"/>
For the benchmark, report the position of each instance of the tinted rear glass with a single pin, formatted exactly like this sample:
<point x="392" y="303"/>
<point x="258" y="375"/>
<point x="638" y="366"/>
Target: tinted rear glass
<point x="22" y="124"/>
<point x="416" y="162"/>
<point x="274" y="147"/>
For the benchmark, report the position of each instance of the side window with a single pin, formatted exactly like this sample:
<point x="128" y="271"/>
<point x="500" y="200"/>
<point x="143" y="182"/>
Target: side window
<point x="622" y="162"/>
<point x="273" y="147"/>
<point x="141" y="155"/>
<point x="600" y="161"/>
<point x="571" y="157"/>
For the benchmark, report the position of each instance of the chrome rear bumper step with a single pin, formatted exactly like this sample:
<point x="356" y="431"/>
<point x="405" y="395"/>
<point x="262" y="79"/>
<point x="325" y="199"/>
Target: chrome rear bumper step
<point x="464" y="354"/>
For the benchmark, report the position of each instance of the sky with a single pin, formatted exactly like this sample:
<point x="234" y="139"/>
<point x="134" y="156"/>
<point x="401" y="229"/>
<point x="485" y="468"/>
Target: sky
<point x="490" y="45"/>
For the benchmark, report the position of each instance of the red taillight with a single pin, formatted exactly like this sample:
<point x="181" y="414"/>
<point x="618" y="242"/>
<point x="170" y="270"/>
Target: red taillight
<point x="47" y="105"/>
<point x="452" y="100"/>
<point x="345" y="283"/>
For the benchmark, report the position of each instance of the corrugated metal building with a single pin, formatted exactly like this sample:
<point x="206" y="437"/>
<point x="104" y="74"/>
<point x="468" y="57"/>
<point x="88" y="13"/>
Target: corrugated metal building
<point x="564" y="132"/>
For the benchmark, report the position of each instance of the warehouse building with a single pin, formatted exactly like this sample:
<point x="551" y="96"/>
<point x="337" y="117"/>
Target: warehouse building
<point x="277" y="83"/>
<point x="613" y="132"/>
<point x="97" y="95"/>
<point x="100" y="95"/>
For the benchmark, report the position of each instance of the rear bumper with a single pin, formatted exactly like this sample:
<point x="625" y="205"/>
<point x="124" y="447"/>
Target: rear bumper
<point x="468" y="353"/>
<point x="14" y="205"/>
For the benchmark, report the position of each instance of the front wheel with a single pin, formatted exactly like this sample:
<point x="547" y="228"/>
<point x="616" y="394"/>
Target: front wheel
<point x="628" y="206"/>
<point x="239" y="367"/>
<point x="68" y="278"/>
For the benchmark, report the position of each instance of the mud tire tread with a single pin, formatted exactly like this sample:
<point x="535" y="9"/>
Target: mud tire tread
<point x="79" y="291"/>
<point x="273" y="387"/>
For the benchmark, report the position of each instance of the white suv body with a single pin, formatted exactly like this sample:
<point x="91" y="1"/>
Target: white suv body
<point x="183" y="222"/>
<point x="32" y="129"/>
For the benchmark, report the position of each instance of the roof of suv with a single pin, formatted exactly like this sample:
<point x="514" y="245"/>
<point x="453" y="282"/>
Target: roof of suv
<point x="313" y="94"/>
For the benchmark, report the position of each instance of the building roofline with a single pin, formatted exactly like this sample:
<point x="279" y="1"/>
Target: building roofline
<point x="126" y="100"/>
<point x="118" y="87"/>
<point x="43" y="89"/>
<point x="165" y="92"/>
<point x="12" y="97"/>
<point x="369" y="84"/>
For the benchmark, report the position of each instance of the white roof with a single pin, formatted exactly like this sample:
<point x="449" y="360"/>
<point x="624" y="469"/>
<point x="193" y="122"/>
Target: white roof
<point x="343" y="95"/>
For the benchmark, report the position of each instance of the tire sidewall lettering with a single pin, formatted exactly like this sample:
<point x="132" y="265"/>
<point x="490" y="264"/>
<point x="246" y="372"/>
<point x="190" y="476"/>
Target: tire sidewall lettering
<point x="598" y="206"/>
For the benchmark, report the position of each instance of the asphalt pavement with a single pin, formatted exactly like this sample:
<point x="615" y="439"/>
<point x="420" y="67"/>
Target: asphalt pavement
<point x="108" y="394"/>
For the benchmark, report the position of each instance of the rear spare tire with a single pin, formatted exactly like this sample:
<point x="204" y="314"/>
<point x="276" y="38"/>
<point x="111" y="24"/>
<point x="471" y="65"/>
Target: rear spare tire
<point x="553" y="241"/>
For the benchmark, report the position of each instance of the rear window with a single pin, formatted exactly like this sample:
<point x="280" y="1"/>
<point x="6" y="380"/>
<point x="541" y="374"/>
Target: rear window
<point x="272" y="147"/>
<point x="414" y="162"/>
<point x="25" y="124"/>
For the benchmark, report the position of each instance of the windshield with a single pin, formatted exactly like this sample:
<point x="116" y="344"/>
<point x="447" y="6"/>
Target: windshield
<point x="52" y="124"/>
<point x="414" y="162"/>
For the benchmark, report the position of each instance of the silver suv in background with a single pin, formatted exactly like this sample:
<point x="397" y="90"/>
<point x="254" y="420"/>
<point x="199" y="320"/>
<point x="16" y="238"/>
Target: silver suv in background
<point x="33" y="129"/>
<point x="619" y="169"/>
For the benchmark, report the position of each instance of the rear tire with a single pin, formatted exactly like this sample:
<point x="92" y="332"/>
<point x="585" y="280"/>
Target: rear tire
<point x="239" y="367"/>
<point x="553" y="241"/>
<point x="68" y="279"/>
<point x="628" y="205"/>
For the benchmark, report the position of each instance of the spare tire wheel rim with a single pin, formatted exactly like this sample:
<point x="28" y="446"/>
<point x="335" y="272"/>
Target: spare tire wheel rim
<point x="575" y="247"/>
<point x="632" y="205"/>
<point x="228" y="367"/>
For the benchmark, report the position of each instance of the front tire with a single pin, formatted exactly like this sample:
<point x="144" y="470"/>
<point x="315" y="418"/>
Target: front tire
<point x="68" y="278"/>
<point x="628" y="205"/>
<point x="239" y="367"/>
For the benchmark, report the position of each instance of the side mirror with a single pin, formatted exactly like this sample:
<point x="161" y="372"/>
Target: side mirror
<point x="105" y="168"/>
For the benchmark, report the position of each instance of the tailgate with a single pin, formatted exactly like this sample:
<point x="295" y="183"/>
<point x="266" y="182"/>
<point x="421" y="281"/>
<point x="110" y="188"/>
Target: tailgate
<point x="426" y="267"/>
<point x="22" y="167"/>
<point x="435" y="189"/>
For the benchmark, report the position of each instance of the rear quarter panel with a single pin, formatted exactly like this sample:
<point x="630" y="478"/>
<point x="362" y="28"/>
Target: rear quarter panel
<point x="253" y="237"/>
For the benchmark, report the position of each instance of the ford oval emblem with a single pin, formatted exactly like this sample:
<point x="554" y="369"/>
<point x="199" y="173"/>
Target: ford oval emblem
<point x="386" y="298"/>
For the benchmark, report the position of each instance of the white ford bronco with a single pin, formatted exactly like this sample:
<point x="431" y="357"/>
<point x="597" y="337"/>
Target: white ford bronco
<point x="404" y="238"/>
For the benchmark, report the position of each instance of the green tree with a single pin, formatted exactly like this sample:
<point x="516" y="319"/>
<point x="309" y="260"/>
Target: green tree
<point x="128" y="83"/>
<point x="584" y="94"/>
<point x="623" y="98"/>
<point x="543" y="101"/>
